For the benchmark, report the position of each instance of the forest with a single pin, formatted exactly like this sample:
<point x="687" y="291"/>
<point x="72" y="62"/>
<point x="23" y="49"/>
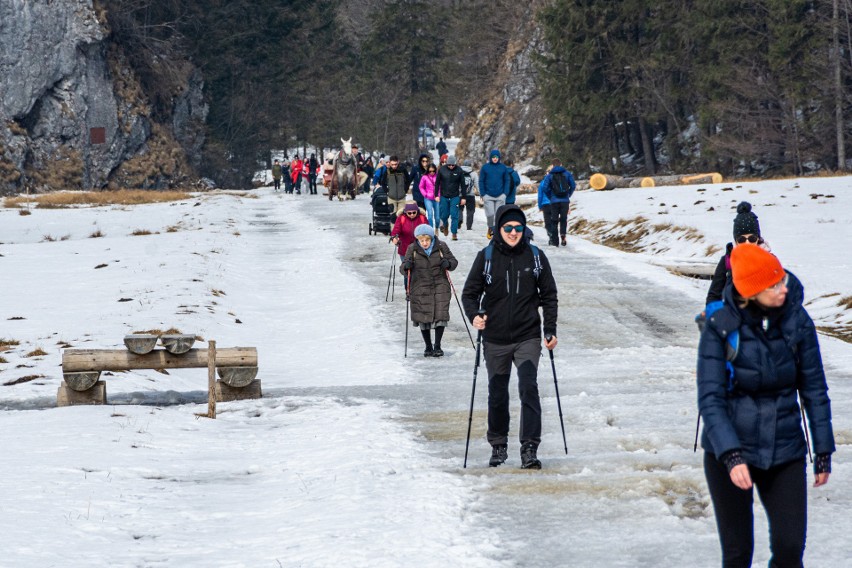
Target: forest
<point x="745" y="87"/>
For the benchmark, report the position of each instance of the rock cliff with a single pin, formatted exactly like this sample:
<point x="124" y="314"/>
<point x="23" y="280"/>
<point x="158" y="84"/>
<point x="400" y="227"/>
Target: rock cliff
<point x="511" y="116"/>
<point x="73" y="114"/>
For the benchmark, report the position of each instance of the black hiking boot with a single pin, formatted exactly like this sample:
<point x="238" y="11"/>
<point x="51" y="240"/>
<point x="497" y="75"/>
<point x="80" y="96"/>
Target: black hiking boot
<point x="528" y="457"/>
<point x="437" y="352"/>
<point x="499" y="455"/>
<point x="429" y="352"/>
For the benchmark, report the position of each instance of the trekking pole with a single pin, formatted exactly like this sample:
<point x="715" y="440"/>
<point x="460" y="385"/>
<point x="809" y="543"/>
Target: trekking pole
<point x="464" y="319"/>
<point x="697" y="424"/>
<point x="807" y="436"/>
<point x="407" y="301"/>
<point x="556" y="387"/>
<point x="473" y="390"/>
<point x="391" y="275"/>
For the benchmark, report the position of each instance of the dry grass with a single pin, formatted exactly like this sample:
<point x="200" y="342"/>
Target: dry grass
<point x="843" y="333"/>
<point x="141" y="233"/>
<point x="845" y="302"/>
<point x="24" y="212"/>
<point x="3" y="360"/>
<point x="37" y="352"/>
<point x="6" y="344"/>
<point x="63" y="199"/>
<point x="96" y="235"/>
<point x="24" y="379"/>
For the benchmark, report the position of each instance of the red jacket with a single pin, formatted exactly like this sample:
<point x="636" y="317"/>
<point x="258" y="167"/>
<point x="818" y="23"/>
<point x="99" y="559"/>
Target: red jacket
<point x="404" y="229"/>
<point x="296" y="169"/>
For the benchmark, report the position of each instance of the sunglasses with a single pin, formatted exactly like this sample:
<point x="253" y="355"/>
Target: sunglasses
<point x="777" y="287"/>
<point x="516" y="228"/>
<point x="412" y="213"/>
<point x="751" y="239"/>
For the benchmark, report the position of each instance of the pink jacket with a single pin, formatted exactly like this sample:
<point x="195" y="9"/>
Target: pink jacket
<point x="427" y="186"/>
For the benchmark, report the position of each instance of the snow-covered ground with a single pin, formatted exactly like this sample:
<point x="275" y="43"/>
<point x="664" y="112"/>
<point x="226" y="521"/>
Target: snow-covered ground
<point x="353" y="457"/>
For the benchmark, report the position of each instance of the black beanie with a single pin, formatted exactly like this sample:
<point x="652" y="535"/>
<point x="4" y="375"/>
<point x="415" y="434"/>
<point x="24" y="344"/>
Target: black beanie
<point x="745" y="223"/>
<point x="513" y="215"/>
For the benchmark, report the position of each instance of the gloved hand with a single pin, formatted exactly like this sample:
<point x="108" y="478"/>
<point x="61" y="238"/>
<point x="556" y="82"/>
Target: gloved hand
<point x="445" y="263"/>
<point x="407" y="264"/>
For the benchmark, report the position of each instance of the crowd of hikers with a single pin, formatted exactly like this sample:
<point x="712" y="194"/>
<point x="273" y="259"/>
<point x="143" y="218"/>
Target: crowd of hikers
<point x="759" y="374"/>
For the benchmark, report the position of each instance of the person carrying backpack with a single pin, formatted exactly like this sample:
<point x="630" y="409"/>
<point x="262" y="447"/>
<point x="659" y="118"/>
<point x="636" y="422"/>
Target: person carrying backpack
<point x="509" y="280"/>
<point x="514" y="181"/>
<point x="752" y="423"/>
<point x="494" y="185"/>
<point x="558" y="187"/>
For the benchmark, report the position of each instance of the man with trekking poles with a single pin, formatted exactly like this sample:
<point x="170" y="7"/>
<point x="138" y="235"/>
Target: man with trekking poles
<point x="507" y="283"/>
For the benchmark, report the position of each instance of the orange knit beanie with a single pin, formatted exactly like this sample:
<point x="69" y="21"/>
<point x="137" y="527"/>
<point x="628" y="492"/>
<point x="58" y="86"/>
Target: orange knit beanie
<point x="754" y="269"/>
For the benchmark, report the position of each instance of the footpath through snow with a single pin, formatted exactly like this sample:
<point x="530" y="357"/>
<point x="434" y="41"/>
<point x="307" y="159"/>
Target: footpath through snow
<point x="353" y="456"/>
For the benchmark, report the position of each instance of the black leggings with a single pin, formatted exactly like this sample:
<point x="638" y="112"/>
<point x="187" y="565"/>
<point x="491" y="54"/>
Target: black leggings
<point x="427" y="337"/>
<point x="783" y="492"/>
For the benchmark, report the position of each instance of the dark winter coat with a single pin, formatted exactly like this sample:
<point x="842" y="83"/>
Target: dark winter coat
<point x="395" y="182"/>
<point x="778" y="355"/>
<point x="558" y="170"/>
<point x="494" y="178"/>
<point x="721" y="277"/>
<point x="429" y="289"/>
<point x="276" y="171"/>
<point x="450" y="181"/>
<point x="416" y="173"/>
<point x="514" y="296"/>
<point x="514" y="182"/>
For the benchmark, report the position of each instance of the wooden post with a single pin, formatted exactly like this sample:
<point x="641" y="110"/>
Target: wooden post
<point x="211" y="379"/>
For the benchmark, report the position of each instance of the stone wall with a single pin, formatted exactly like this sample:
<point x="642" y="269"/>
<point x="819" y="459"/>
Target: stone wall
<point x="71" y="112"/>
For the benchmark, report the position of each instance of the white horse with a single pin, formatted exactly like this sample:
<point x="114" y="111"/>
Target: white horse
<point x="344" y="174"/>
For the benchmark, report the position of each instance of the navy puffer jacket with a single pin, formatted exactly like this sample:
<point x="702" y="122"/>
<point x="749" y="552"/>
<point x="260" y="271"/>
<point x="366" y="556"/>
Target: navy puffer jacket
<point x="778" y="356"/>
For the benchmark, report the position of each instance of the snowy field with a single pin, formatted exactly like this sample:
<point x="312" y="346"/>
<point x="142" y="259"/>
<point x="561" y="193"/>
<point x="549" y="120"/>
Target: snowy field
<point x="353" y="457"/>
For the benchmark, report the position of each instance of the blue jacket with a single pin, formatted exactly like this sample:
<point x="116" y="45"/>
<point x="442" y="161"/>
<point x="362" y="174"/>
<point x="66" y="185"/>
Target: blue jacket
<point x="514" y="182"/>
<point x="545" y="183"/>
<point x="542" y="195"/>
<point x="494" y="179"/>
<point x="758" y="412"/>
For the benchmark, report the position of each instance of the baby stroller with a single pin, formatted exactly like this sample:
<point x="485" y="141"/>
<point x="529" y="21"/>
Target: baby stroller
<point x="381" y="213"/>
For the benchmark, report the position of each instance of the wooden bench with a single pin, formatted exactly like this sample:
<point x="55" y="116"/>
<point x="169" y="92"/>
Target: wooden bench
<point x="81" y="368"/>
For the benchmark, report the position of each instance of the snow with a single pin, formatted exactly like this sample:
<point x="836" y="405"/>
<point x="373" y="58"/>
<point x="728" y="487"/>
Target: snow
<point x="353" y="457"/>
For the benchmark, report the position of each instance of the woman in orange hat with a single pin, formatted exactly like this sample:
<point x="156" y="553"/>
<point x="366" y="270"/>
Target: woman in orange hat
<point x="758" y="356"/>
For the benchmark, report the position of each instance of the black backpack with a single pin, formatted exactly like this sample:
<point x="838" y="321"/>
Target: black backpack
<point x="559" y="185"/>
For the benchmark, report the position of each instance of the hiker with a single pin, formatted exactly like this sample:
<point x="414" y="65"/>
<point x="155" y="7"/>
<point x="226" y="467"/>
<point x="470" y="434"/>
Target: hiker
<point x="544" y="207"/>
<point x="394" y="180"/>
<point x="287" y="175"/>
<point x="430" y="195"/>
<point x="313" y="171"/>
<point x="559" y="186"/>
<point x="494" y="186"/>
<point x="514" y="182"/>
<point x="752" y="423"/>
<point x="441" y="147"/>
<point x="417" y="171"/>
<point x="746" y="230"/>
<point x="510" y="283"/>
<point x="369" y="170"/>
<point x="402" y="234"/>
<point x="449" y="184"/>
<point x="276" y="175"/>
<point x="468" y="194"/>
<point x="426" y="262"/>
<point x="296" y="172"/>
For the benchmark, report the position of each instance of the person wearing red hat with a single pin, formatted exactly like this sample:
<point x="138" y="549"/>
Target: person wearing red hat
<point x="748" y="396"/>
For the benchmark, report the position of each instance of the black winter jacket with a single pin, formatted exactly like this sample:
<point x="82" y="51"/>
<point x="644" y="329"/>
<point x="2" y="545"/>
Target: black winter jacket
<point x="514" y="296"/>
<point x="778" y="357"/>
<point x="449" y="181"/>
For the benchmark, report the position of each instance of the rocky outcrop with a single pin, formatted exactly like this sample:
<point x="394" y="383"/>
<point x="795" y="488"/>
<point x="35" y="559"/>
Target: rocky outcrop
<point x="72" y="112"/>
<point x="511" y="117"/>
